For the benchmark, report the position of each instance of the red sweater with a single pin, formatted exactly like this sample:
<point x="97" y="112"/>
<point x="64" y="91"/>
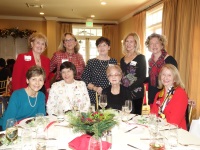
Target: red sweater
<point x="175" y="109"/>
<point x="22" y="64"/>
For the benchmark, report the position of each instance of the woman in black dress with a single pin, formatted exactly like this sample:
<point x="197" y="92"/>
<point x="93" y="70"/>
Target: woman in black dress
<point x="133" y="66"/>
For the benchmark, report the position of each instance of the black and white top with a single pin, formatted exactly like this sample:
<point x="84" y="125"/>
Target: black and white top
<point x="95" y="73"/>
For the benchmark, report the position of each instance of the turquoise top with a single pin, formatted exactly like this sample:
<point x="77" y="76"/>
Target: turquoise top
<point x="20" y="108"/>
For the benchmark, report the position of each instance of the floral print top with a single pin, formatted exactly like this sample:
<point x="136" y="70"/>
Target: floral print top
<point x="134" y="75"/>
<point x="63" y="96"/>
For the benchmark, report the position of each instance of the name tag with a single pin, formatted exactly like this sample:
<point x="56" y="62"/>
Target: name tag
<point x="133" y="63"/>
<point x="63" y="60"/>
<point x="27" y="58"/>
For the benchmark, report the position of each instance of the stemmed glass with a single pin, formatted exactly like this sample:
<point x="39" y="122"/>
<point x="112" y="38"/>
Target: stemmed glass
<point x="103" y="101"/>
<point x="128" y="106"/>
<point x="11" y="129"/>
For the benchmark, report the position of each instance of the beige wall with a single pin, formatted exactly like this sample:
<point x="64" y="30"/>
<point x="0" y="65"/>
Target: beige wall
<point x="125" y="28"/>
<point x="49" y="28"/>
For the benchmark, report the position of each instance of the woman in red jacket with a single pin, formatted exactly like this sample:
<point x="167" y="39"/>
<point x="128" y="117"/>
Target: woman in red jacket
<point x="171" y="102"/>
<point x="37" y="43"/>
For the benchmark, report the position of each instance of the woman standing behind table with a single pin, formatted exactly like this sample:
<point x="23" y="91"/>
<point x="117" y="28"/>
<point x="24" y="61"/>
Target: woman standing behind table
<point x="38" y="43"/>
<point x="133" y="66"/>
<point x="171" y="102"/>
<point x="94" y="74"/>
<point x="156" y="44"/>
<point x="116" y="93"/>
<point x="68" y="51"/>
<point x="28" y="101"/>
<point x="68" y="93"/>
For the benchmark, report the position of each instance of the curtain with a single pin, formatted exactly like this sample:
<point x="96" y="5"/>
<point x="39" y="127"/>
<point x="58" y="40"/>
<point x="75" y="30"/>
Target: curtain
<point x="65" y="27"/>
<point x="139" y="27"/>
<point x="111" y="32"/>
<point x="181" y="25"/>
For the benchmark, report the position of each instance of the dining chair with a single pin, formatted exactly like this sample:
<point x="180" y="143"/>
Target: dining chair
<point x="1" y="107"/>
<point x="190" y="107"/>
<point x="4" y="87"/>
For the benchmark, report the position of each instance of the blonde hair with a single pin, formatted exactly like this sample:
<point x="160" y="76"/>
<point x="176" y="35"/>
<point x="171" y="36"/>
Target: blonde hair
<point x="35" y="36"/>
<point x="161" y="38"/>
<point x="62" y="48"/>
<point x="175" y="73"/>
<point x="137" y="41"/>
<point x="116" y="67"/>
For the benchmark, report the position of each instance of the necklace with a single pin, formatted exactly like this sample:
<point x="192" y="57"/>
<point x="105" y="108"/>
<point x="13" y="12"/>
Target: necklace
<point x="30" y="101"/>
<point x="104" y="65"/>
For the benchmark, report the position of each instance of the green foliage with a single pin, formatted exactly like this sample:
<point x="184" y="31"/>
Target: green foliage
<point x="97" y="122"/>
<point x="15" y="33"/>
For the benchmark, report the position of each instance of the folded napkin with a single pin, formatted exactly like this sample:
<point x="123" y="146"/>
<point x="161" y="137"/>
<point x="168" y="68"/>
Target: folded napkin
<point x="82" y="142"/>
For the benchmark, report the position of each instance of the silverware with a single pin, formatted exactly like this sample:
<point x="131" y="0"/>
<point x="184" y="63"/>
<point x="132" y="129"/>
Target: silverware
<point x="130" y="129"/>
<point x="133" y="146"/>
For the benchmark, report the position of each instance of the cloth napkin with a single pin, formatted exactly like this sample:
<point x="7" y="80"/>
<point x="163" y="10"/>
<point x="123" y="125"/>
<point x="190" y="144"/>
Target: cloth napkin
<point x="82" y="142"/>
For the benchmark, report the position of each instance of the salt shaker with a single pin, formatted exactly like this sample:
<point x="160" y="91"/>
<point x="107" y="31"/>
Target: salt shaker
<point x="109" y="137"/>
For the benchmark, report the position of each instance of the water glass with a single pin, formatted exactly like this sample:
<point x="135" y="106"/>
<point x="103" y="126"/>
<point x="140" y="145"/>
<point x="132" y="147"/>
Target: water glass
<point x="129" y="107"/>
<point x="26" y="137"/>
<point x="173" y="135"/>
<point x="39" y="119"/>
<point x="11" y="129"/>
<point x="92" y="108"/>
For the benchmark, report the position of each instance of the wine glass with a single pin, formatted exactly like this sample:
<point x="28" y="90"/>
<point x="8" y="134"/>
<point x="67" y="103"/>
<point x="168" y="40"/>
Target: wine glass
<point x="11" y="129"/>
<point x="128" y="106"/>
<point x="103" y="101"/>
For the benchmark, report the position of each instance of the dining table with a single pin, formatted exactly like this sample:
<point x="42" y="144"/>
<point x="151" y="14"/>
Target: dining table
<point x="127" y="135"/>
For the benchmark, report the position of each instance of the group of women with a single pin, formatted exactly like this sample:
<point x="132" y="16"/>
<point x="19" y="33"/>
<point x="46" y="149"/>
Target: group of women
<point x="78" y="85"/>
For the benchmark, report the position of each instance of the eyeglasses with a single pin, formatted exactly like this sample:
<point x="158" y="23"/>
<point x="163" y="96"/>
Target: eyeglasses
<point x="68" y="40"/>
<point x="114" y="75"/>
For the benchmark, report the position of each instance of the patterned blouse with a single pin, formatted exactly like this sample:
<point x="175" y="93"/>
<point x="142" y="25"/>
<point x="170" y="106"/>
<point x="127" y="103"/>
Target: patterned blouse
<point x="66" y="96"/>
<point x="95" y="73"/>
<point x="59" y="57"/>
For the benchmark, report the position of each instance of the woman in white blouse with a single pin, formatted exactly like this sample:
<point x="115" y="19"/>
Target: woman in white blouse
<point x="68" y="93"/>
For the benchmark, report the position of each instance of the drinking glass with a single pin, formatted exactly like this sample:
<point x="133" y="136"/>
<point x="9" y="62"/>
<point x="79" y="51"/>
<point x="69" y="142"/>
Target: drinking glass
<point x="128" y="105"/>
<point x="11" y="129"/>
<point x="95" y="143"/>
<point x="173" y="135"/>
<point x="39" y="119"/>
<point x="103" y="101"/>
<point x="92" y="108"/>
<point x="123" y="114"/>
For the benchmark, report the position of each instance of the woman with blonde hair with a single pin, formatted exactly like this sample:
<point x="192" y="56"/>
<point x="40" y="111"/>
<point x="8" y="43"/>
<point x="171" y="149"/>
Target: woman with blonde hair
<point x="116" y="93"/>
<point x="171" y="102"/>
<point x="133" y="66"/>
<point x="37" y="43"/>
<point x="68" y="51"/>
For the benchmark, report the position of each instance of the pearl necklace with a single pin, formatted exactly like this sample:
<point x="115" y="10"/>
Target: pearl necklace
<point x="30" y="101"/>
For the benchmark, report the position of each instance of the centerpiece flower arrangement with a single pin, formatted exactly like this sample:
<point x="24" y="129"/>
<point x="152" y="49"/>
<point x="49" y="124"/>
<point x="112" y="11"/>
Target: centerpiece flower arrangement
<point x="95" y="123"/>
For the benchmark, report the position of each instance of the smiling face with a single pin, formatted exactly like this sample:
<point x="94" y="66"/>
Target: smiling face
<point x="167" y="78"/>
<point x="69" y="43"/>
<point x="130" y="44"/>
<point x="103" y="48"/>
<point x="155" y="46"/>
<point x="114" y="76"/>
<point x="68" y="75"/>
<point x="35" y="83"/>
<point x="38" y="45"/>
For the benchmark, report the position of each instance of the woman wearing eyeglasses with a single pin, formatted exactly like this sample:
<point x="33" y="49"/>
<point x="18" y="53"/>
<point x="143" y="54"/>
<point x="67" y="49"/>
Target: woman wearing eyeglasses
<point x="68" y="51"/>
<point x="116" y="93"/>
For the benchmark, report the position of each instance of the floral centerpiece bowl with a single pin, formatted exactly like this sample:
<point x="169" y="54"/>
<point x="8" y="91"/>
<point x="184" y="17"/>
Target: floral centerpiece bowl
<point x="95" y="123"/>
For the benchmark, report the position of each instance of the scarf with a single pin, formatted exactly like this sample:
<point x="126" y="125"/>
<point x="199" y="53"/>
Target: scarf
<point x="156" y="66"/>
<point x="169" y="95"/>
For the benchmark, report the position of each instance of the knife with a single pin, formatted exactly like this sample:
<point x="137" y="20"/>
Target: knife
<point x="130" y="129"/>
<point x="133" y="146"/>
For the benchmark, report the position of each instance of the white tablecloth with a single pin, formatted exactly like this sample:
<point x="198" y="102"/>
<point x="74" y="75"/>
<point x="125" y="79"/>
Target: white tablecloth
<point x="120" y="139"/>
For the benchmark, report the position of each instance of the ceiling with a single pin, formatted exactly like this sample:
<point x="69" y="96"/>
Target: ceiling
<point x="114" y="11"/>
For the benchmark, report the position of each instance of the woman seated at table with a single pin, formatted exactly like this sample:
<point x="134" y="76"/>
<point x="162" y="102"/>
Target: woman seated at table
<point x="116" y="93"/>
<point x="171" y="102"/>
<point x="29" y="101"/>
<point x="68" y="93"/>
